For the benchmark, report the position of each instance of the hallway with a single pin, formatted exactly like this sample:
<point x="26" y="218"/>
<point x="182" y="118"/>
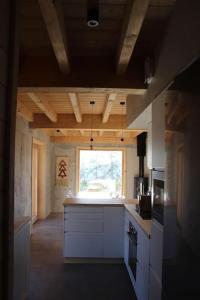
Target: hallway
<point x="52" y="280"/>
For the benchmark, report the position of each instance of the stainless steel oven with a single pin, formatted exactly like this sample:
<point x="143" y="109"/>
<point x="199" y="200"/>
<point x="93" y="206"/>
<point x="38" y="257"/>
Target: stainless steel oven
<point x="158" y="195"/>
<point x="132" y="257"/>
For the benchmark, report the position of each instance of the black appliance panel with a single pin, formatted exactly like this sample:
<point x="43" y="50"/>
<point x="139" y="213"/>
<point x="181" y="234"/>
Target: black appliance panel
<point x="158" y="195"/>
<point x="132" y="257"/>
<point x="141" y="144"/>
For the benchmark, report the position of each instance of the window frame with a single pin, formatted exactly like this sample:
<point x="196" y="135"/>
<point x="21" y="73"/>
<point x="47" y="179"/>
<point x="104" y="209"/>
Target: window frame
<point x="123" y="149"/>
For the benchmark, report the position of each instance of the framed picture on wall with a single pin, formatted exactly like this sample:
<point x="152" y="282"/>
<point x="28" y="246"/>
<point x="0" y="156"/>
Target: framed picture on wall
<point x="62" y="167"/>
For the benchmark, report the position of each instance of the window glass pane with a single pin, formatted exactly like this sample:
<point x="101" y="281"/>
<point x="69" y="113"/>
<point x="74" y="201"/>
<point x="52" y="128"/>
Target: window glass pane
<point x="100" y="173"/>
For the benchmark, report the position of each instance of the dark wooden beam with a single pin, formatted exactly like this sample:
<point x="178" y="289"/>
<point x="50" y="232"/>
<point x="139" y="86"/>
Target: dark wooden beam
<point x="89" y="73"/>
<point x="54" y="20"/>
<point x="135" y="14"/>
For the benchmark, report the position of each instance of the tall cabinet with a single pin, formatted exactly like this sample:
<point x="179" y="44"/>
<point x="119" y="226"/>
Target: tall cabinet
<point x="156" y="133"/>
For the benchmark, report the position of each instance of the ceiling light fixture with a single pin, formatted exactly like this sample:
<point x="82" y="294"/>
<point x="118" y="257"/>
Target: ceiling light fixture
<point x="93" y="17"/>
<point x="92" y="103"/>
<point x="122" y="114"/>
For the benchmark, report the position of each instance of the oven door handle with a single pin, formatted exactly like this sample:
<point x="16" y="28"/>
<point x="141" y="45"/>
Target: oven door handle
<point x="131" y="237"/>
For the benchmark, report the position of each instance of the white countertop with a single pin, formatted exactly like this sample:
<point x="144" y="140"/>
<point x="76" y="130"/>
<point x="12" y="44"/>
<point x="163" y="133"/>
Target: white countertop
<point x="144" y="224"/>
<point x="99" y="201"/>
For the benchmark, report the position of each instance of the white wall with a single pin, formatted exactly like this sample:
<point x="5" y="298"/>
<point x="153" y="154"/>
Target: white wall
<point x="23" y="168"/>
<point x="58" y="193"/>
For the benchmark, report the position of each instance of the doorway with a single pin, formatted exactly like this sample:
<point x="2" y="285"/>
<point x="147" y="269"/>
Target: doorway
<point x="38" y="181"/>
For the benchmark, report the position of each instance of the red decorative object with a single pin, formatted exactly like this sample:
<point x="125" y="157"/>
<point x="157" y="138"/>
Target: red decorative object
<point x="62" y="169"/>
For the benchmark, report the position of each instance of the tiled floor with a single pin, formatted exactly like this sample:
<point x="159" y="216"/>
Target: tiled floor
<point x="52" y="280"/>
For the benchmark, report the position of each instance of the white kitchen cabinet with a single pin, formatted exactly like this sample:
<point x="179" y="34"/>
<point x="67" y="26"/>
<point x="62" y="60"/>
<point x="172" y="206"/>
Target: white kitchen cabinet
<point x="156" y="255"/>
<point x="91" y="231"/>
<point x="113" y="232"/>
<point x="141" y="284"/>
<point x="83" y="209"/>
<point x="156" y="248"/>
<point x="83" y="231"/>
<point x="156" y="135"/>
<point x="155" y="286"/>
<point x="84" y="226"/>
<point x="143" y="249"/>
<point x="83" y="245"/>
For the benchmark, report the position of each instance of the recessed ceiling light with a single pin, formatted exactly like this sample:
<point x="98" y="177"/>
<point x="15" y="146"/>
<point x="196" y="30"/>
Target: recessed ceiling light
<point x="92" y="17"/>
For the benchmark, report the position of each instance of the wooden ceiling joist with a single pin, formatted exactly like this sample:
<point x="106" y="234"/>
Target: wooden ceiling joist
<point x="24" y="112"/>
<point x="54" y="20"/>
<point x="68" y="121"/>
<point x="100" y="132"/>
<point x="44" y="106"/>
<point x="82" y="132"/>
<point x="111" y="98"/>
<point x="86" y="140"/>
<point x="75" y="105"/>
<point x="136" y="11"/>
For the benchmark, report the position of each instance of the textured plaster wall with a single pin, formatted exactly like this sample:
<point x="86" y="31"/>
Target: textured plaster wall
<point x="58" y="194"/>
<point x="23" y="168"/>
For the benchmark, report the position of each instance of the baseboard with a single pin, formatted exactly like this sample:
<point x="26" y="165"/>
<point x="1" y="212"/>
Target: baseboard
<point x="69" y="260"/>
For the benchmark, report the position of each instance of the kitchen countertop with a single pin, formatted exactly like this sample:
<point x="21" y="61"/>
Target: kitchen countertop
<point x="129" y="204"/>
<point x="99" y="202"/>
<point x="144" y="224"/>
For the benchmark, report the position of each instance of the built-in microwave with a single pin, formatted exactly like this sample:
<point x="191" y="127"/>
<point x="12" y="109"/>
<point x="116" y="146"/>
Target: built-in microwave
<point x="158" y="195"/>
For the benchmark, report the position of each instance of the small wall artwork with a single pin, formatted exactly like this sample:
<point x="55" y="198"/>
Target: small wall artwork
<point x="62" y="171"/>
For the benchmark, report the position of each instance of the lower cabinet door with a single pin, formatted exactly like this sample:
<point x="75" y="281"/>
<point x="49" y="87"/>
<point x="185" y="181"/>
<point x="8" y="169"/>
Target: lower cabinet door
<point x="142" y="283"/>
<point x="155" y="288"/>
<point x="79" y="244"/>
<point x="113" y="232"/>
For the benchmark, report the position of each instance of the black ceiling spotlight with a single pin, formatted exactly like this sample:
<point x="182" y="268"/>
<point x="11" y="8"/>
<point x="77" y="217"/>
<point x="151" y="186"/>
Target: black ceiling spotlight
<point x="93" y="14"/>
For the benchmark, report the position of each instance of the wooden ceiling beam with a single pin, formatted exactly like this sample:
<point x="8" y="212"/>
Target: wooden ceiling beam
<point x="54" y="20"/>
<point x="68" y="121"/>
<point x="43" y="72"/>
<point x="24" y="112"/>
<point x="86" y="140"/>
<point x="44" y="106"/>
<point x="76" y="107"/>
<point x="100" y="132"/>
<point x="108" y="107"/>
<point x="82" y="132"/>
<point x="136" y="11"/>
<point x="117" y="91"/>
<point x="62" y="132"/>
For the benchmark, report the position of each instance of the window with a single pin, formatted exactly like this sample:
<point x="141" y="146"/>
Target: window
<point x="100" y="173"/>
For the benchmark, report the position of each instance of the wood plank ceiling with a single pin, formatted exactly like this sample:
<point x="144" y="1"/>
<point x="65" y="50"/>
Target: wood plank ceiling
<point x="128" y="30"/>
